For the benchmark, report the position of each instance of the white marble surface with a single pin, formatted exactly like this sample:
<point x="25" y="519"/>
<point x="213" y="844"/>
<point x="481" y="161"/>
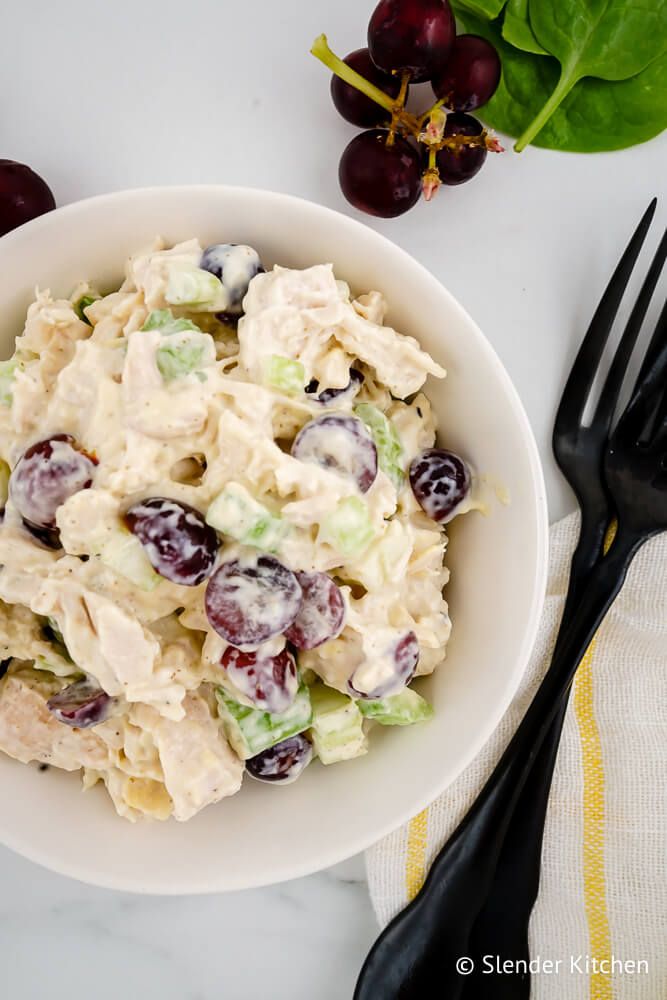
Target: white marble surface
<point x="98" y="97"/>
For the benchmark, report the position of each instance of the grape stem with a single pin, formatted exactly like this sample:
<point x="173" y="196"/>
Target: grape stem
<point x="320" y="49"/>
<point x="427" y="128"/>
<point x="401" y="120"/>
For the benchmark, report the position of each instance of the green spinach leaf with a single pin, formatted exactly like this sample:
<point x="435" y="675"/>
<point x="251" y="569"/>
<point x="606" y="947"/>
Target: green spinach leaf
<point x="595" y="116"/>
<point x="517" y="30"/>
<point x="608" y="39"/>
<point x="482" y="8"/>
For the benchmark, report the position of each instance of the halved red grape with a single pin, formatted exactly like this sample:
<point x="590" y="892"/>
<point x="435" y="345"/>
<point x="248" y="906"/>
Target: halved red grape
<point x="341" y="444"/>
<point x="47" y="474"/>
<point x="413" y="36"/>
<point x="250" y="600"/>
<point x="321" y="614"/>
<point x="354" y="106"/>
<point x="380" y="179"/>
<point x="270" y="682"/>
<point x="81" y="704"/>
<point x="23" y="195"/>
<point x="396" y="667"/>
<point x="328" y="396"/>
<point x="440" y="481"/>
<point x="458" y="166"/>
<point x="180" y="545"/>
<point x="283" y="762"/>
<point x="235" y="264"/>
<point x="471" y="75"/>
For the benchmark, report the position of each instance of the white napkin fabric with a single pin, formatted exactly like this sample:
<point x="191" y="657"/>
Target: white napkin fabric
<point x="603" y="893"/>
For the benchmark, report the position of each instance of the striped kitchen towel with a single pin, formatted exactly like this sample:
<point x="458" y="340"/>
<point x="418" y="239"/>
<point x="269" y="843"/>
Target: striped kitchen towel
<point x="600" y="924"/>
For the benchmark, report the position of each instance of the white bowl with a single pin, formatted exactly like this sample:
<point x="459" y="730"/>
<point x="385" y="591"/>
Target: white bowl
<point x="498" y="563"/>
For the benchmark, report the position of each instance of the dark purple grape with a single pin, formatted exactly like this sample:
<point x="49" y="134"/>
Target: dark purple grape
<point x="341" y="444"/>
<point x="180" y="545"/>
<point x="23" y="195"/>
<point x="380" y="179"/>
<point x="413" y="36"/>
<point x="47" y="474"/>
<point x="252" y="599"/>
<point x="328" y="396"/>
<point x="471" y="76"/>
<point x="458" y="166"/>
<point x="399" y="662"/>
<point x="82" y="704"/>
<point x="283" y="762"/>
<point x="354" y="106"/>
<point x="235" y="265"/>
<point x="321" y="614"/>
<point x="270" y="682"/>
<point x="440" y="480"/>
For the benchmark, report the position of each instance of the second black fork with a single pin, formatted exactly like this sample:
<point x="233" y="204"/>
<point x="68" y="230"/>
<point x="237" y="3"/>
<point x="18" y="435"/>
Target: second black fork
<point x="420" y="947"/>
<point x="579" y="449"/>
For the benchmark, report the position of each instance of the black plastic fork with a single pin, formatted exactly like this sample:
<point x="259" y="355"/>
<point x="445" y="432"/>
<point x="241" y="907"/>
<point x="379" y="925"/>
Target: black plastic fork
<point x="420" y="947"/>
<point x="579" y="448"/>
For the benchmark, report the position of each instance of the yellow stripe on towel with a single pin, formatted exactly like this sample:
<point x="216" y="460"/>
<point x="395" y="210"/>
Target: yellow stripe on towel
<point x="595" y="896"/>
<point x="415" y="861"/>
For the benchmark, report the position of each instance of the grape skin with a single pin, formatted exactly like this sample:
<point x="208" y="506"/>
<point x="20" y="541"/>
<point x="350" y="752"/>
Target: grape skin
<point x="48" y="474"/>
<point x="341" y="444"/>
<point x="321" y="615"/>
<point x="269" y="682"/>
<point x="250" y="600"/>
<point x="283" y="762"/>
<point x="440" y="481"/>
<point x="380" y="179"/>
<point x="457" y="167"/>
<point x="471" y="76"/>
<point x="179" y="544"/>
<point x="354" y="106"/>
<point x="412" y="36"/>
<point x="81" y="705"/>
<point x="23" y="195"/>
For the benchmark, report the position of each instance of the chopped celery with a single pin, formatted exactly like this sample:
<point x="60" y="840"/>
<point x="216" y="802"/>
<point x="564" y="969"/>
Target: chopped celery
<point x="194" y="287"/>
<point x="236" y="513"/>
<point x="177" y="359"/>
<point x="83" y="303"/>
<point x="387" y="441"/>
<point x="165" y="321"/>
<point x="250" y="731"/>
<point x="284" y="374"/>
<point x="187" y="348"/>
<point x="7" y="371"/>
<point x="125" y="554"/>
<point x="401" y="709"/>
<point x="4" y="483"/>
<point x="348" y="528"/>
<point x="337" y="731"/>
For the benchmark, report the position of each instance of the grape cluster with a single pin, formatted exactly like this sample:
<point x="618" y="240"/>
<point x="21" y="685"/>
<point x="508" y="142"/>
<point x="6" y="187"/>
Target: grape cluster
<point x="401" y="155"/>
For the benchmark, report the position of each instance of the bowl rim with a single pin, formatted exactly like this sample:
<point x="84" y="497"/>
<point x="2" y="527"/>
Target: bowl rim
<point x="90" y="873"/>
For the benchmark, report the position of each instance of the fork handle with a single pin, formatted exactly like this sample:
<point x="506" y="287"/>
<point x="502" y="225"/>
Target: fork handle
<point x="500" y="930"/>
<point x="422" y="943"/>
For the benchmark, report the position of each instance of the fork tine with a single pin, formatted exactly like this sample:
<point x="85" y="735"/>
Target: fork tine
<point x="657" y="340"/>
<point x="604" y="410"/>
<point x="584" y="369"/>
<point x="639" y="417"/>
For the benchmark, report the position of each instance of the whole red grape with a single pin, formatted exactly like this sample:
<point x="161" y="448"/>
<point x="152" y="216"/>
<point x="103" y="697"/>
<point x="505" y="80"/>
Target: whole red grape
<point x="412" y="36"/>
<point x="378" y="178"/>
<point x="23" y="195"/>
<point x="354" y="106"/>
<point x="471" y="75"/>
<point x="456" y="166"/>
